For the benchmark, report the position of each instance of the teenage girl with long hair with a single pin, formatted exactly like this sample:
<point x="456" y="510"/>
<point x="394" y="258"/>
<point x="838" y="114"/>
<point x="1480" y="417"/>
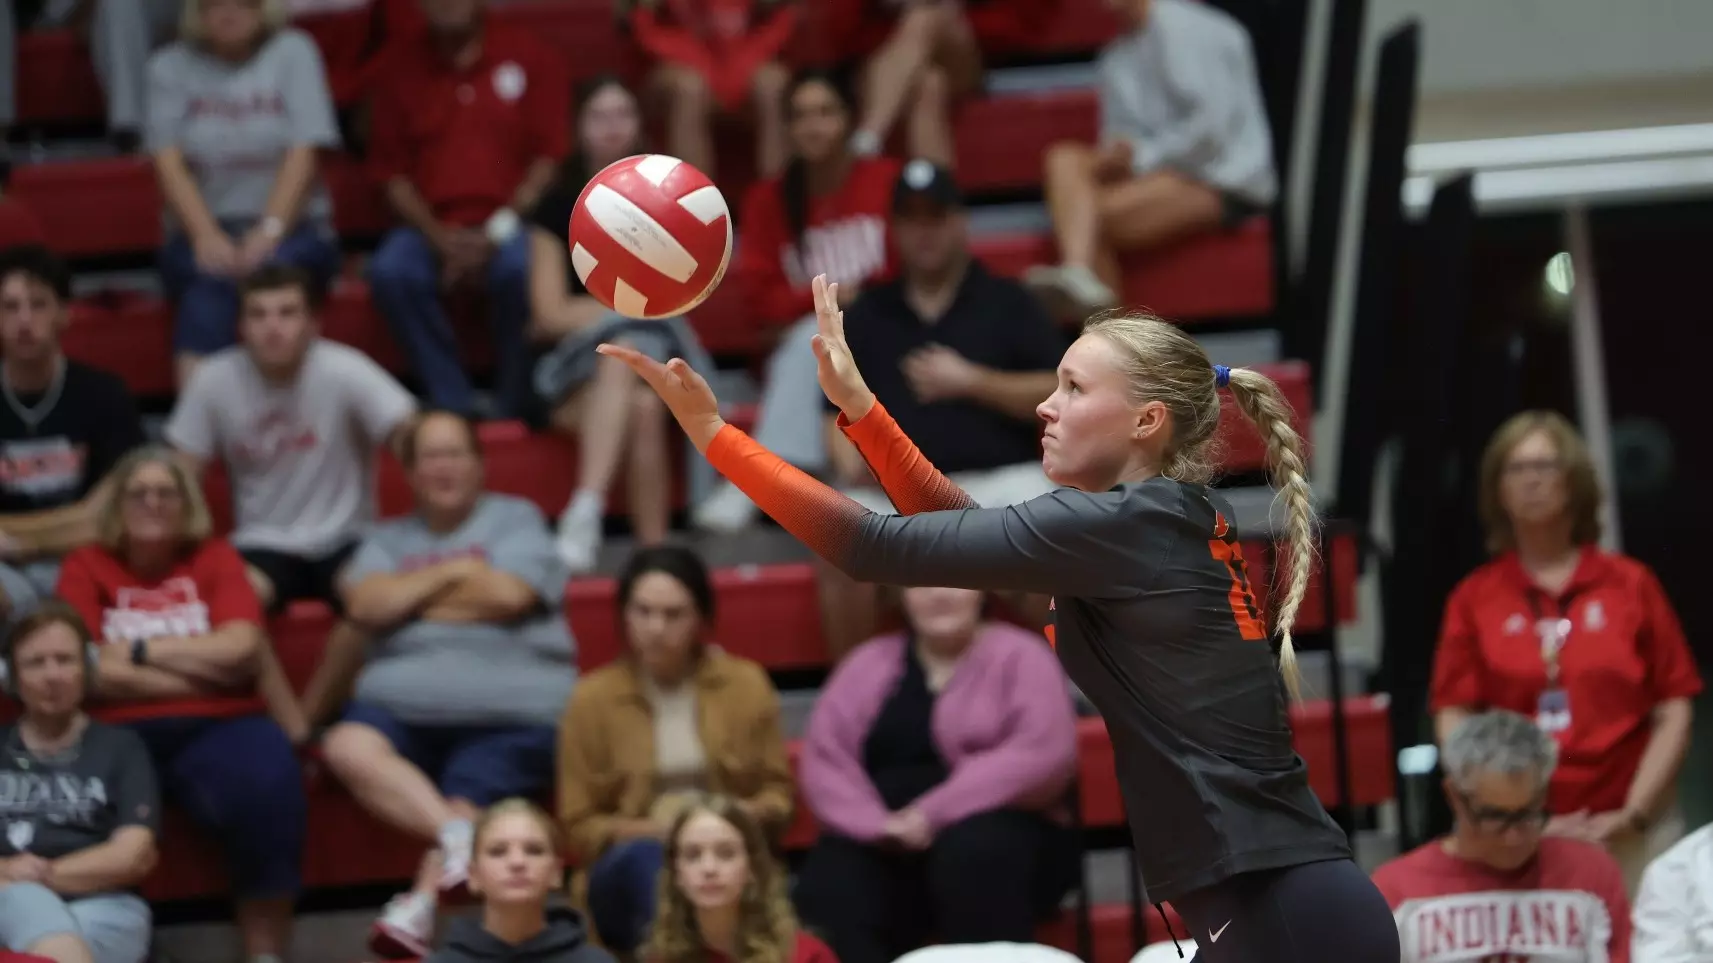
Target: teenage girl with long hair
<point x="1154" y="618"/>
<point x="723" y="896"/>
<point x="828" y="213"/>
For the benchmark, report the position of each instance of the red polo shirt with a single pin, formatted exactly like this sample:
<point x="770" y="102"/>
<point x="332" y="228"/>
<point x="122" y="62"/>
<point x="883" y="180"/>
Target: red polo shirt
<point x="465" y="137"/>
<point x="1625" y="653"/>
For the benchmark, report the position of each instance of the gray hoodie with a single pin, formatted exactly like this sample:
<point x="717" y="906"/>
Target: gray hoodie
<point x="563" y="941"/>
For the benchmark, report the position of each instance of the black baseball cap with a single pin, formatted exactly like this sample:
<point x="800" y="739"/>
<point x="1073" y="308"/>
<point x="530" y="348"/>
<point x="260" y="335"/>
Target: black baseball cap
<point x="926" y="179"/>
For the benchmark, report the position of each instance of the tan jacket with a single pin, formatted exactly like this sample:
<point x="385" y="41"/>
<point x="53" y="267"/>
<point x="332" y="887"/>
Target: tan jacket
<point x="606" y="748"/>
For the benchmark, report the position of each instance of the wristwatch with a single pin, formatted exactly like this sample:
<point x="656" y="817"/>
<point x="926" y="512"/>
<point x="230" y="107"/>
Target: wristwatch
<point x="272" y="228"/>
<point x="503" y="225"/>
<point x="139" y="651"/>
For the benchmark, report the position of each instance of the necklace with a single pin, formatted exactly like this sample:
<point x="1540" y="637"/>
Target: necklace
<point x="33" y="415"/>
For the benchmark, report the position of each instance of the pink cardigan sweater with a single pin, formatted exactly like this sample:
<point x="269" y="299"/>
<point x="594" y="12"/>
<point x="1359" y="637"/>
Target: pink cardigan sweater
<point x="1004" y="723"/>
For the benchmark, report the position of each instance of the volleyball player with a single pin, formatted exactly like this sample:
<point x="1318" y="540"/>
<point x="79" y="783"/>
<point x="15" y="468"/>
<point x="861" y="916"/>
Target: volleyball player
<point x="1154" y="618"/>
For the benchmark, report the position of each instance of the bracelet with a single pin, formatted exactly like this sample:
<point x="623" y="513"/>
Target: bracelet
<point x="272" y="228"/>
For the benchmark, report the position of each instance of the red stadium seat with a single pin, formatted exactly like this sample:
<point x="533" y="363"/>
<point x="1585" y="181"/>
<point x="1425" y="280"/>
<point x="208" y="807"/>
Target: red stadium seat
<point x="1223" y="275"/>
<point x="127" y="334"/>
<point x="56" y="81"/>
<point x="1000" y="140"/>
<point x="18" y="225"/>
<point x="94" y="207"/>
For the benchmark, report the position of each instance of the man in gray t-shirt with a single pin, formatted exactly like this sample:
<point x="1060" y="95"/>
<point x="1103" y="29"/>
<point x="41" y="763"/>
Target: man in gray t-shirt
<point x="472" y="662"/>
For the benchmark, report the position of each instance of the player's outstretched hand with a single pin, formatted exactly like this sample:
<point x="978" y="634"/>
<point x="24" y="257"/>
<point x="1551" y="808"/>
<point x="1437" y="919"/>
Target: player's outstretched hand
<point x="834" y="365"/>
<point x="685" y="392"/>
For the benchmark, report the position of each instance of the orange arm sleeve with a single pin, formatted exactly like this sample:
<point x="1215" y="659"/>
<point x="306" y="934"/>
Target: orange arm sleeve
<point x="909" y="479"/>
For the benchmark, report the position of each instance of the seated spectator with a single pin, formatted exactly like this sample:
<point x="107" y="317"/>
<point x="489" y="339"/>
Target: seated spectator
<point x="67" y="426"/>
<point x="918" y="58"/>
<point x="640" y="736"/>
<point x="81" y="806"/>
<point x="470" y="668"/>
<point x="1580" y="639"/>
<point x="184" y="662"/>
<point x="937" y="764"/>
<point x="716" y="57"/>
<point x="725" y="896"/>
<point x="1674" y="908"/>
<point x="1495" y="888"/>
<point x="516" y="871"/>
<point x="295" y="419"/>
<point x="617" y="420"/>
<point x="467" y="128"/>
<point x="825" y="215"/>
<point x="238" y="108"/>
<point x="120" y="33"/>
<point x="961" y="358"/>
<point x="1184" y="150"/>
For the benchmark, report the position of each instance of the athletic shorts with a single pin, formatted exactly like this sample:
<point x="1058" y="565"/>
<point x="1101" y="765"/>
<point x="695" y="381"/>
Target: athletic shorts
<point x="480" y="764"/>
<point x="301" y="577"/>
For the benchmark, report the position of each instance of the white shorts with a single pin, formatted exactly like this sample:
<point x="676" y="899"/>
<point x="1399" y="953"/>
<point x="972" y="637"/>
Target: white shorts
<point x="991" y="488"/>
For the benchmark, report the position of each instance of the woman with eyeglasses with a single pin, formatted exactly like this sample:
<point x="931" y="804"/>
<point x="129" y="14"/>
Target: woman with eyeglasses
<point x="184" y="663"/>
<point x="1495" y="889"/>
<point x="78" y="801"/>
<point x="1580" y="639"/>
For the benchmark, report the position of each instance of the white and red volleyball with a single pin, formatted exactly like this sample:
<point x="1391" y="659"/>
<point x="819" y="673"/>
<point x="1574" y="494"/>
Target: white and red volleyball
<point x="650" y="236"/>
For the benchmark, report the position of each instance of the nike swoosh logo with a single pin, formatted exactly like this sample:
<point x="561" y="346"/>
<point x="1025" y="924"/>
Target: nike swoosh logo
<point x="1213" y="935"/>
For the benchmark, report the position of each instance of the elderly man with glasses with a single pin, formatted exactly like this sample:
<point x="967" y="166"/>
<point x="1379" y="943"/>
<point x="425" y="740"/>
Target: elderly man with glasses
<point x="1496" y="888"/>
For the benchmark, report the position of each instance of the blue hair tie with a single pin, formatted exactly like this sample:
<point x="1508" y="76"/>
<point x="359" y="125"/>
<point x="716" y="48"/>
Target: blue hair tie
<point x="1221" y="376"/>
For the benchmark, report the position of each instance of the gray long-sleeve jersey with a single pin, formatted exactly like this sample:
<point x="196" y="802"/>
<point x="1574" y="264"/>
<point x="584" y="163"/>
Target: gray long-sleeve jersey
<point x="1153" y="619"/>
<point x="1183" y="92"/>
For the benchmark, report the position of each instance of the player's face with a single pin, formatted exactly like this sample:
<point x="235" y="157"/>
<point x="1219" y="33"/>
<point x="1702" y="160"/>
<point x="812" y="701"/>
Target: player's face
<point x="930" y="237"/>
<point x="943" y="618"/>
<point x="153" y="508"/>
<point x="1500" y="817"/>
<point x="49" y="666"/>
<point x="662" y="626"/>
<point x="1532" y="488"/>
<point x="610" y="126"/>
<point x="710" y="865"/>
<point x="1093" y="426"/>
<point x="30" y="318"/>
<point x="447" y="471"/>
<point x="514" y="862"/>
<point x="277" y="328"/>
<point x="231" y="24"/>
<point x="820" y="122"/>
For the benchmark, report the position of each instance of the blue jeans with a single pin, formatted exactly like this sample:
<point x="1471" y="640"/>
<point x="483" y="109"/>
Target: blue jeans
<point x="240" y="780"/>
<point x="404" y="280"/>
<point x="207" y="316"/>
<point x="623" y="886"/>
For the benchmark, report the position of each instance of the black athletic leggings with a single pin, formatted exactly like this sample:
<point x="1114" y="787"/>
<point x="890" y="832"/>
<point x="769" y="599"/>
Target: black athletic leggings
<point x="1313" y="913"/>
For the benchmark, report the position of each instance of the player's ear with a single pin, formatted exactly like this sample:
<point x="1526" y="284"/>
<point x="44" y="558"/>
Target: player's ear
<point x="1151" y="418"/>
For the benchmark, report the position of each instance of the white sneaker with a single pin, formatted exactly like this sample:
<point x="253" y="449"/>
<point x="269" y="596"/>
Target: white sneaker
<point x="579" y="537"/>
<point x="457" y="839"/>
<point x="726" y="509"/>
<point x="1076" y="290"/>
<point x="405" y="927"/>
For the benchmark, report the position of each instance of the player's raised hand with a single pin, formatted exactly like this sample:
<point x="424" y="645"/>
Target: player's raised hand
<point x="685" y="392"/>
<point x="834" y="366"/>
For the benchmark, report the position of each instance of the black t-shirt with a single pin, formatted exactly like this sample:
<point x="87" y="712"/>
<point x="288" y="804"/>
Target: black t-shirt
<point x="552" y="214"/>
<point x="899" y="754"/>
<point x="76" y="440"/>
<point x="993" y="322"/>
<point x="56" y="807"/>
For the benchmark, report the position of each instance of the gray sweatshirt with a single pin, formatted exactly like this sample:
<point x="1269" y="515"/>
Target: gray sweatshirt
<point x="1183" y="91"/>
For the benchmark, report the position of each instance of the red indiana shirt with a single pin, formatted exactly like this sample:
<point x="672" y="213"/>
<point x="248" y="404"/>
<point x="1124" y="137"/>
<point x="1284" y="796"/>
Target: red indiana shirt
<point x="204" y="591"/>
<point x="1625" y="653"/>
<point x="725" y="41"/>
<point x="846" y="238"/>
<point x="465" y="137"/>
<point x="1565" y="906"/>
<point x="807" y="950"/>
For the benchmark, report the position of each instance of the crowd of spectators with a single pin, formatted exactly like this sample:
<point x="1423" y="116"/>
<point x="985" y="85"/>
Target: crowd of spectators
<point x="939" y="758"/>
